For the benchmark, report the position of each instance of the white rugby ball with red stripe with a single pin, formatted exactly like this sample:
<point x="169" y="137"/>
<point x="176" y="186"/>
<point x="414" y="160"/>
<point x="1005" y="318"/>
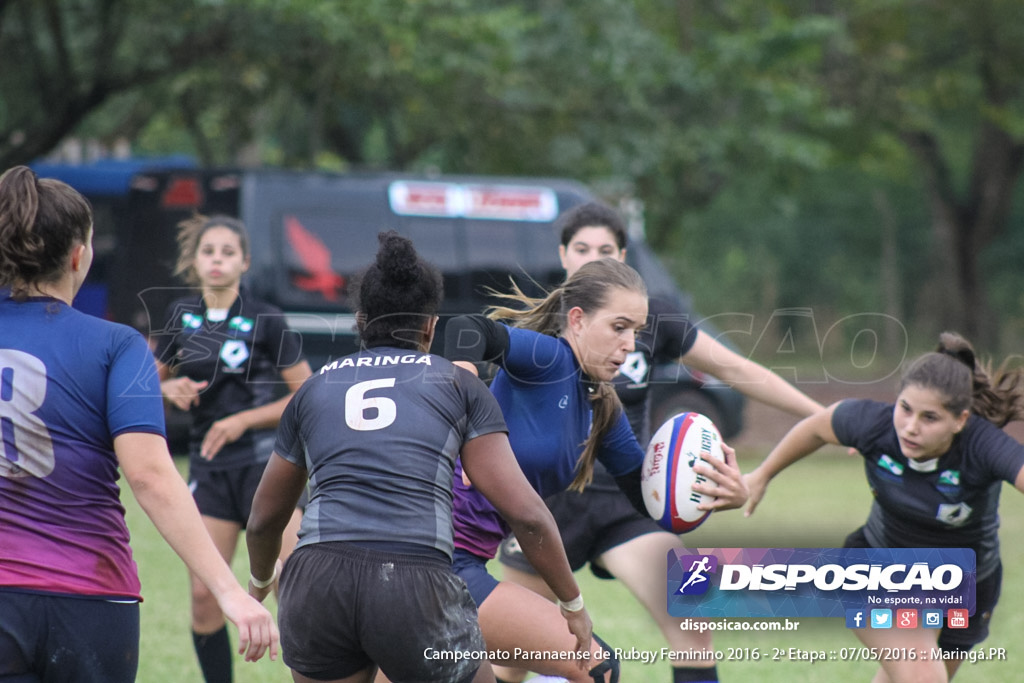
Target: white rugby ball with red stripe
<point x="667" y="473"/>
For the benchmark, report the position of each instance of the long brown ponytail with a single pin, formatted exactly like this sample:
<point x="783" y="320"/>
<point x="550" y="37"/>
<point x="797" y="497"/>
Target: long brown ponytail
<point x="969" y="384"/>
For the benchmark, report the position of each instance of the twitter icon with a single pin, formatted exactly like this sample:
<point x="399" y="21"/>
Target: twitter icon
<point x="881" y="618"/>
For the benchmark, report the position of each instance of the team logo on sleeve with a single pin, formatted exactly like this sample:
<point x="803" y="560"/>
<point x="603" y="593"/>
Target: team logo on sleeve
<point x="234" y="353"/>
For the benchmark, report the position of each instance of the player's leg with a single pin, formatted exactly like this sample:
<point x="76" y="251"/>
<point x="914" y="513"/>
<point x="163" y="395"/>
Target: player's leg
<point x="209" y="629"/>
<point x="515" y="568"/>
<point x="641" y="564"/>
<point x="514" y="619"/>
<point x="959" y="641"/>
<point x="903" y="669"/>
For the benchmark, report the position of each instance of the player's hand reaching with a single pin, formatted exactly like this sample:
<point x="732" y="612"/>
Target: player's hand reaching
<point x="724" y="481"/>
<point x="182" y="392"/>
<point x="221" y="433"/>
<point x="257" y="632"/>
<point x="582" y="627"/>
<point x="758" y="484"/>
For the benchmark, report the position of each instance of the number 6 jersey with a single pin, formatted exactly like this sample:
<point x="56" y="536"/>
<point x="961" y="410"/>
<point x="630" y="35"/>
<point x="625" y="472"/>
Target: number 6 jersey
<point x="379" y="433"/>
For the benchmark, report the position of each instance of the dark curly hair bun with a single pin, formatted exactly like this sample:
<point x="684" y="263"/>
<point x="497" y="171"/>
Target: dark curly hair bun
<point x="398" y="294"/>
<point x="397" y="259"/>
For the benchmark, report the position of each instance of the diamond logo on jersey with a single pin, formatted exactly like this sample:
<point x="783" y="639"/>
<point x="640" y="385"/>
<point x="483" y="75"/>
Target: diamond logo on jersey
<point x="635" y="367"/>
<point x="887" y="463"/>
<point x="191" y="321"/>
<point x="954" y="514"/>
<point x="241" y="324"/>
<point x="234" y="353"/>
<point x="950" y="478"/>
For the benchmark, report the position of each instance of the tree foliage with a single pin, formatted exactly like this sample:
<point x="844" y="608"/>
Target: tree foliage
<point x="786" y="152"/>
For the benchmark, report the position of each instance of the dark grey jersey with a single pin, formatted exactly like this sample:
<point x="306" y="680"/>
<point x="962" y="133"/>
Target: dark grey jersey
<point x="379" y="432"/>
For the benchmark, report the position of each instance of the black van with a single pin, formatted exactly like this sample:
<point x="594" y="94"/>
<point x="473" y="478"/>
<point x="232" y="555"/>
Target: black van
<point x="311" y="233"/>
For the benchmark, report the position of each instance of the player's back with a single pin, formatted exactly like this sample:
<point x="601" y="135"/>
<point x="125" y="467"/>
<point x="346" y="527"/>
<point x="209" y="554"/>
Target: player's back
<point x="380" y="432"/>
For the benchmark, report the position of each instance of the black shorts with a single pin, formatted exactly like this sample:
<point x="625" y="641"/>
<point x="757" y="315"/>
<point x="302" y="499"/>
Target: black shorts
<point x="986" y="597"/>
<point x="590" y="523"/>
<point x="225" y="494"/>
<point x="344" y="608"/>
<point x="70" y="640"/>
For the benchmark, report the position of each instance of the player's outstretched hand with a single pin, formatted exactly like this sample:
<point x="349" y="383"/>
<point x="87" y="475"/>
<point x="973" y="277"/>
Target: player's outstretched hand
<point x="257" y="632"/>
<point x="182" y="392"/>
<point x="724" y="482"/>
<point x="221" y="433"/>
<point x="758" y="484"/>
<point x="582" y="627"/>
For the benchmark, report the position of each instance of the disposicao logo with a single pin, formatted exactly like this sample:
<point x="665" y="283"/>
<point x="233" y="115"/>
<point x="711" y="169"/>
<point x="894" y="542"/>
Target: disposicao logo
<point x="695" y="580"/>
<point x="821" y="582"/>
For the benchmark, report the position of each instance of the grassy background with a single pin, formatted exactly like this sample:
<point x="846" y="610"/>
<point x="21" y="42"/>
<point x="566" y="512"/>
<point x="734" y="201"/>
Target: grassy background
<point x="815" y="504"/>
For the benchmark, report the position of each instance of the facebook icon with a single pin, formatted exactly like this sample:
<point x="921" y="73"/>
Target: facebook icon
<point x="855" y="618"/>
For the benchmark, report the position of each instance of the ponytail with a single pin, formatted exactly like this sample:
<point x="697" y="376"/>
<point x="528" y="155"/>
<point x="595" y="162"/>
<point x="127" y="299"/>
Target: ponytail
<point x="40" y="222"/>
<point x="969" y="384"/>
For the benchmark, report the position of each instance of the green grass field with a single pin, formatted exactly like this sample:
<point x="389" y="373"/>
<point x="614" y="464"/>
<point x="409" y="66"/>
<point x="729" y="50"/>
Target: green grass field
<point x="814" y="504"/>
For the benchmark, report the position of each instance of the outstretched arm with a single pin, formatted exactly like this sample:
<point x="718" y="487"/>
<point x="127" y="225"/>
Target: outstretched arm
<point x="804" y="438"/>
<point x="749" y="378"/>
<point x="165" y="498"/>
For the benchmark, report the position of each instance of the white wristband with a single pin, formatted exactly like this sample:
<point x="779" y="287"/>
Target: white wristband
<point x="574" y="605"/>
<point x="263" y="584"/>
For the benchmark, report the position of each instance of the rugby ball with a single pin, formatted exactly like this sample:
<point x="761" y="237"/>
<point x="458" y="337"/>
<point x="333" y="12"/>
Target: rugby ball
<point x="667" y="473"/>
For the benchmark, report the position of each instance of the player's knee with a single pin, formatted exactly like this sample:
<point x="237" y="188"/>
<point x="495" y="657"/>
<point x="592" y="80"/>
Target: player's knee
<point x="607" y="671"/>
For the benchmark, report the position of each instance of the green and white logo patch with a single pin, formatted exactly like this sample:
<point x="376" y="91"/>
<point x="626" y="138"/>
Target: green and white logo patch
<point x="887" y="463"/>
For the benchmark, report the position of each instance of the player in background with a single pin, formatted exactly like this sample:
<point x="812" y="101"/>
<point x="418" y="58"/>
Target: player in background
<point x="599" y="525"/>
<point x="78" y="400"/>
<point x="223" y="355"/>
<point x="377" y="434"/>
<point x="936" y="462"/>
<point x="556" y="362"/>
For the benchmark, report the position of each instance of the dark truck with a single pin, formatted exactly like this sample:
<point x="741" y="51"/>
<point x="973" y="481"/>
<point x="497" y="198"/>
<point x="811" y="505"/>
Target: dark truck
<point x="311" y="233"/>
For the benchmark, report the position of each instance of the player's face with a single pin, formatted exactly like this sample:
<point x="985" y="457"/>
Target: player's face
<point x="924" y="427"/>
<point x="589" y="244"/>
<point x="220" y="260"/>
<point x="602" y="339"/>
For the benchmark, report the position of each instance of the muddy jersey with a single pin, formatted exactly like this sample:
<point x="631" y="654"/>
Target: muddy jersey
<point x="69" y="384"/>
<point x="380" y="432"/>
<point x="241" y="357"/>
<point x="956" y="505"/>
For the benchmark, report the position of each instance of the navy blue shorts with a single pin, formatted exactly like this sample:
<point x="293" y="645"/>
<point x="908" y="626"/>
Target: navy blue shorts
<point x="67" y="640"/>
<point x="590" y="523"/>
<point x="344" y="608"/>
<point x="986" y="597"/>
<point x="473" y="570"/>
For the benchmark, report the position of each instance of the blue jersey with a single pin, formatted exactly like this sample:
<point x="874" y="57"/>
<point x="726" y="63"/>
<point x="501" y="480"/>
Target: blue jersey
<point x="956" y="505"/>
<point x="546" y="404"/>
<point x="69" y="384"/>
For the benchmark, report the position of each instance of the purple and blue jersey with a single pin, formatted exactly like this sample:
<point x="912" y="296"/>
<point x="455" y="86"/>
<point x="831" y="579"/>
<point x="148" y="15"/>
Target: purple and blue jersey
<point x="69" y="384"/>
<point x="546" y="404"/>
